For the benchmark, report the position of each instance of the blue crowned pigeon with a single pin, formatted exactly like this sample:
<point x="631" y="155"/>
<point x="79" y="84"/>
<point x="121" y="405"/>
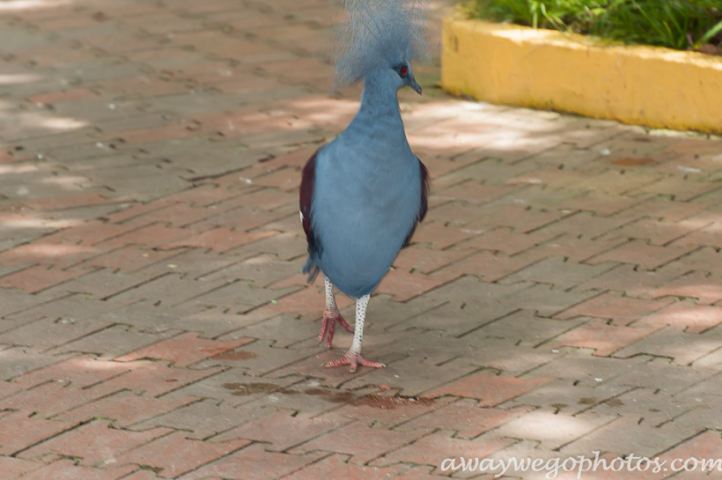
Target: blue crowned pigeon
<point x="363" y="193"/>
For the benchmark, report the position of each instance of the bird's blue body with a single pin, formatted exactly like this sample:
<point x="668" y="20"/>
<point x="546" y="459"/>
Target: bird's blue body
<point x="363" y="193"/>
<point x="368" y="191"/>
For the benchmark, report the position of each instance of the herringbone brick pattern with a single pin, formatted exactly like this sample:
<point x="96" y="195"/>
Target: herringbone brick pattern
<point x="563" y="296"/>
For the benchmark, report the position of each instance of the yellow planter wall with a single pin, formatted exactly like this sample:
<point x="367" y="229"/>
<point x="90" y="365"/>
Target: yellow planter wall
<point x="515" y="65"/>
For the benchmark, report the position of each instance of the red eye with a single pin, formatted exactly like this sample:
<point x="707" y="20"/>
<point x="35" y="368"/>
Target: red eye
<point x="404" y="70"/>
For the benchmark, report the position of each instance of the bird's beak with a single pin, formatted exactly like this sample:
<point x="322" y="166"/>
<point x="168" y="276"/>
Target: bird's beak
<point x="415" y="86"/>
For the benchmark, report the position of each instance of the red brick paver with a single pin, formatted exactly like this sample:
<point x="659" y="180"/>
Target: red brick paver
<point x="489" y="388"/>
<point x="563" y="295"/>
<point x="175" y="455"/>
<point x="96" y="443"/>
<point x="184" y="350"/>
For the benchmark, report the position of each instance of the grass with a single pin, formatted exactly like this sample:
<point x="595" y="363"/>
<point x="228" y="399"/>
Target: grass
<point x="678" y="24"/>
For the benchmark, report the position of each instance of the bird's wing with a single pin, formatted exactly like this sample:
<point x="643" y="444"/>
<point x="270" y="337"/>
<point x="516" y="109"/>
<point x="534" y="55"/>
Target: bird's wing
<point x="424" y="190"/>
<point x="423" y="206"/>
<point x="308" y="180"/>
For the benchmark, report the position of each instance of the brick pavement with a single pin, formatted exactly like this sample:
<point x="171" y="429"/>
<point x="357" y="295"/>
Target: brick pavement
<point x="563" y="296"/>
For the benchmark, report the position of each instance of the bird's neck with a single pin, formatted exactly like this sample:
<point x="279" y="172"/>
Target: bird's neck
<point x="379" y="115"/>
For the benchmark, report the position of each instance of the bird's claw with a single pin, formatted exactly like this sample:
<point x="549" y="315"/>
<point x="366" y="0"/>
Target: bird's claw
<point x="329" y="326"/>
<point x="354" y="360"/>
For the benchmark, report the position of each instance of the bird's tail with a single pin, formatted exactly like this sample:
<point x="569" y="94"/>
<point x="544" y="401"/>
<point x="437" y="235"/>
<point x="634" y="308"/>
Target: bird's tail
<point x="311" y="268"/>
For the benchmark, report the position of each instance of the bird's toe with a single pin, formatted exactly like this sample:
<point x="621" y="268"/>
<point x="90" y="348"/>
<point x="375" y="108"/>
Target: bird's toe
<point x="343" y="323"/>
<point x="328" y="326"/>
<point x="354" y="360"/>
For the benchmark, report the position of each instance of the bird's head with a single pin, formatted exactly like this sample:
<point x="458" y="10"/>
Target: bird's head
<point x="406" y="77"/>
<point x="379" y="39"/>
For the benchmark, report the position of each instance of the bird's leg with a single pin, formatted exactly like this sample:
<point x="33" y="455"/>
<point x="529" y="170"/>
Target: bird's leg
<point x="330" y="316"/>
<point x="353" y="355"/>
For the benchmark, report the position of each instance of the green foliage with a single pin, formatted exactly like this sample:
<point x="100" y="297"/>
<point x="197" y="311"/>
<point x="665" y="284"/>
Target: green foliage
<point x="574" y="15"/>
<point x="676" y="24"/>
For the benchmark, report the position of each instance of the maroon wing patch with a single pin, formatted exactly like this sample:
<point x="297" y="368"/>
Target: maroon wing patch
<point x="424" y="205"/>
<point x="424" y="191"/>
<point x="308" y="179"/>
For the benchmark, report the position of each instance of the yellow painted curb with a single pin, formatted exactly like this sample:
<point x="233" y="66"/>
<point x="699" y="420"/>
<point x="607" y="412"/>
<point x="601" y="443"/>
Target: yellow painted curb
<point x="515" y="65"/>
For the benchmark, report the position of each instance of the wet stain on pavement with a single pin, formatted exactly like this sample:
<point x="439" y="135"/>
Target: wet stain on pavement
<point x="331" y="395"/>
<point x="382" y="402"/>
<point x="243" y="389"/>
<point x="390" y="402"/>
<point x="235" y="355"/>
<point x="633" y="162"/>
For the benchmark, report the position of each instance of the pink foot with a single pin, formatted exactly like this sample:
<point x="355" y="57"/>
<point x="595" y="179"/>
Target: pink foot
<point x="329" y="325"/>
<point x="354" y="359"/>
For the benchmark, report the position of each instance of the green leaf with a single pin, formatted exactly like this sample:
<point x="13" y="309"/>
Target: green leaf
<point x="708" y="36"/>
